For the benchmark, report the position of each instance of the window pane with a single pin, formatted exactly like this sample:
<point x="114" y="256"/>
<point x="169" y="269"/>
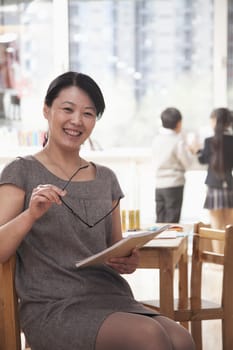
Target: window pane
<point x="146" y="55"/>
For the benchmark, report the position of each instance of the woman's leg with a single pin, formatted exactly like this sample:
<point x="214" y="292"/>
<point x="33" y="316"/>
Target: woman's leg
<point x="228" y="216"/>
<point x="217" y="218"/>
<point x="179" y="336"/>
<point x="128" y="331"/>
<point x="218" y="221"/>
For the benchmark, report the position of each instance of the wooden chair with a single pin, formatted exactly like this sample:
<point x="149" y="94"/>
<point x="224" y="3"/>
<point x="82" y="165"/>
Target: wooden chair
<point x="10" y="335"/>
<point x="199" y="309"/>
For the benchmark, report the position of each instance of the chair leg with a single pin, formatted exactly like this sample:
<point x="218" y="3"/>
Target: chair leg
<point x="196" y="332"/>
<point x="227" y="334"/>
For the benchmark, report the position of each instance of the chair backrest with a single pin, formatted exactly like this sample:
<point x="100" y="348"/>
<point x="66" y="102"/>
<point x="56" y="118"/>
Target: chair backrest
<point x="206" y="244"/>
<point x="201" y="253"/>
<point x="226" y="259"/>
<point x="9" y="321"/>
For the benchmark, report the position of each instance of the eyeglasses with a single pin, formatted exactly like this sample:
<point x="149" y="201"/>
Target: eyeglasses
<point x="77" y="215"/>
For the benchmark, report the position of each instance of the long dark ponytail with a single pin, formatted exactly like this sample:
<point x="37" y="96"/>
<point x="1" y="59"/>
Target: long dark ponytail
<point x="223" y="119"/>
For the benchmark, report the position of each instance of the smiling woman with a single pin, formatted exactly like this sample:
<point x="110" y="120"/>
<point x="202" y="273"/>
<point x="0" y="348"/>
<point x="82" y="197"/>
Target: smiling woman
<point x="72" y="115"/>
<point x="63" y="307"/>
<point x="74" y="101"/>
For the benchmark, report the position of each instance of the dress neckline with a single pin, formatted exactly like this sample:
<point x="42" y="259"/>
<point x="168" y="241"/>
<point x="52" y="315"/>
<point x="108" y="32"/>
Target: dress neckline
<point x="59" y="178"/>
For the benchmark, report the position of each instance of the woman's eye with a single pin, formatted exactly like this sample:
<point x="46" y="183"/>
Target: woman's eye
<point x="67" y="109"/>
<point x="89" y="115"/>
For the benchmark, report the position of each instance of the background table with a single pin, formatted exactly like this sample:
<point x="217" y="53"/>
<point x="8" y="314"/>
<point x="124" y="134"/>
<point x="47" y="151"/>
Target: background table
<point x="165" y="254"/>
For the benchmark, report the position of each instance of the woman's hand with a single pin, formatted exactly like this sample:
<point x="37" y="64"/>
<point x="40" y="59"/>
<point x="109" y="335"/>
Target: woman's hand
<point x="43" y="196"/>
<point x="126" y="264"/>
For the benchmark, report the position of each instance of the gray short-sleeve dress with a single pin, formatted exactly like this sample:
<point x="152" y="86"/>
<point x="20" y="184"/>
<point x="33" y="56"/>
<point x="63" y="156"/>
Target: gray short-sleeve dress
<point x="62" y="307"/>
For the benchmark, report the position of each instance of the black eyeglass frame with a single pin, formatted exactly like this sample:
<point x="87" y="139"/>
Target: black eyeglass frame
<point x="83" y="221"/>
<point x="77" y="215"/>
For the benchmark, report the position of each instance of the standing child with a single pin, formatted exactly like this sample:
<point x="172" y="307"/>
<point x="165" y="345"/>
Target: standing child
<point x="217" y="153"/>
<point x="172" y="158"/>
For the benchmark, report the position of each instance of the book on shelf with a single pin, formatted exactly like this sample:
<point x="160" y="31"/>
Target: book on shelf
<point x="123" y="247"/>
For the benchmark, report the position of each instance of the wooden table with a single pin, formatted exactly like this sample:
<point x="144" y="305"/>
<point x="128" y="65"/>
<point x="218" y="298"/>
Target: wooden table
<point x="165" y="255"/>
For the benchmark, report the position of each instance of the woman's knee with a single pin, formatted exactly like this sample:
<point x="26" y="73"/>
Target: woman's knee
<point x="180" y="338"/>
<point x="153" y="336"/>
<point x="132" y="332"/>
<point x="183" y="340"/>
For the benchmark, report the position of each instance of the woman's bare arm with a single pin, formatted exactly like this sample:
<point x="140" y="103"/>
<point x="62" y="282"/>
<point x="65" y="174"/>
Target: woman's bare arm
<point x="16" y="223"/>
<point x="116" y="224"/>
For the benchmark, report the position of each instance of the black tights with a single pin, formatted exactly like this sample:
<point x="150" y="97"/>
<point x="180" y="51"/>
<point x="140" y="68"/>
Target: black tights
<point x="126" y="331"/>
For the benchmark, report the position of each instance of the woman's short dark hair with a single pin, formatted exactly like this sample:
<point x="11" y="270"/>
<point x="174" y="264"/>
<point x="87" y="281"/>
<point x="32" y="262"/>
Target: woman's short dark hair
<point x="80" y="80"/>
<point x="170" y="117"/>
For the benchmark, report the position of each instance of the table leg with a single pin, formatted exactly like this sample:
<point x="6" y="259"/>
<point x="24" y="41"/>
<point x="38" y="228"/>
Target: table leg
<point x="166" y="283"/>
<point x="183" y="284"/>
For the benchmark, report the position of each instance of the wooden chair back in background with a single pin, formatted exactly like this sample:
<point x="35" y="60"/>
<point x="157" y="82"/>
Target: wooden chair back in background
<point x="205" y="309"/>
<point x="199" y="309"/>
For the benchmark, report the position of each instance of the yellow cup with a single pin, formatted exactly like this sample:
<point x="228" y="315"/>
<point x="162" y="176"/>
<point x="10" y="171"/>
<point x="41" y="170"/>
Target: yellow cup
<point x="123" y="220"/>
<point x="131" y="220"/>
<point x="137" y="219"/>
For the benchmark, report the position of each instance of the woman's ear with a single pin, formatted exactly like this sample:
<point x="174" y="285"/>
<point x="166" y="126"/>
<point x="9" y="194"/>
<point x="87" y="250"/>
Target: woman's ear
<point x="45" y="111"/>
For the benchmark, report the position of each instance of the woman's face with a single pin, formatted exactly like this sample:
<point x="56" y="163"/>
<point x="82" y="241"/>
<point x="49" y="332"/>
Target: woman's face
<point x="71" y="118"/>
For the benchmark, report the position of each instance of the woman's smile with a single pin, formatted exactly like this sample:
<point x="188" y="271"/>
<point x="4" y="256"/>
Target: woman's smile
<point x="72" y="132"/>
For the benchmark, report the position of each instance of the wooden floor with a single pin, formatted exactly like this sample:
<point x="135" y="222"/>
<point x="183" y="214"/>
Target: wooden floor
<point x="212" y="280"/>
